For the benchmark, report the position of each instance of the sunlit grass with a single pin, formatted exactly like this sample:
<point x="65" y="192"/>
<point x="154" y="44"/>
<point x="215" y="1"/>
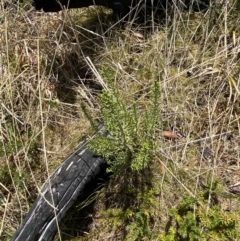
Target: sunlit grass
<point x="52" y="63"/>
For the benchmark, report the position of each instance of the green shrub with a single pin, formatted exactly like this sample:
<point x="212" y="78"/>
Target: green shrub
<point x="130" y="143"/>
<point x="195" y="219"/>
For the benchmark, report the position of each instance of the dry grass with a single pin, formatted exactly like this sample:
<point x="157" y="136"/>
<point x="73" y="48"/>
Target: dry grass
<point x="51" y="63"/>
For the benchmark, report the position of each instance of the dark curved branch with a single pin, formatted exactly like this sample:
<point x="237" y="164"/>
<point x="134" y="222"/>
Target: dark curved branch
<point x="58" y="5"/>
<point x="59" y="193"/>
<point x="119" y="6"/>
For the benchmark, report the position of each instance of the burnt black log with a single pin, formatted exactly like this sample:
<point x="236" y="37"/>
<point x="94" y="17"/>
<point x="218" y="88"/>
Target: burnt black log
<point x="58" y="5"/>
<point x="119" y="6"/>
<point x="58" y="195"/>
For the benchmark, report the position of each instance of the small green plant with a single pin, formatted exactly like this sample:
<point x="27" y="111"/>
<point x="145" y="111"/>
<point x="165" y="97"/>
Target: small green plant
<point x="140" y="222"/>
<point x="196" y="220"/>
<point x="136" y="221"/>
<point x="130" y="144"/>
<point x="129" y="149"/>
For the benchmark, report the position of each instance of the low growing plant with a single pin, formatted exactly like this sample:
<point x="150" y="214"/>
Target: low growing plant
<point x="130" y="143"/>
<point x="129" y="149"/>
<point x="195" y="219"/>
